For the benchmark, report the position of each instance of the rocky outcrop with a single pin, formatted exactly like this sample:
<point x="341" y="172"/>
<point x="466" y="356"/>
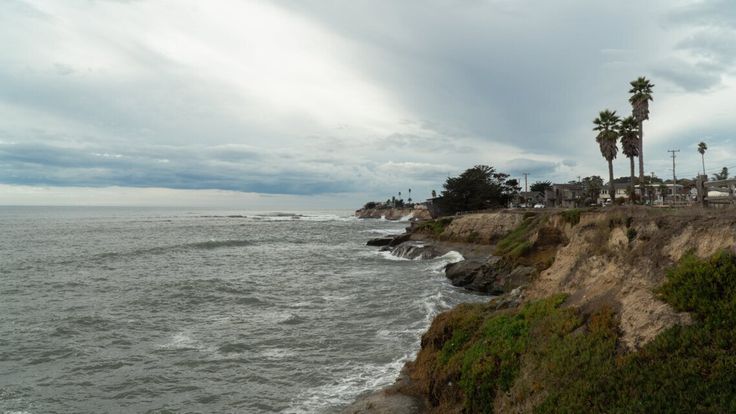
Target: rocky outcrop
<point x="394" y="213"/>
<point x="598" y="263"/>
<point x="389" y="240"/>
<point x="484" y="228"/>
<point x="390" y="400"/>
<point x="493" y="276"/>
<point x="381" y="241"/>
<point x="416" y="250"/>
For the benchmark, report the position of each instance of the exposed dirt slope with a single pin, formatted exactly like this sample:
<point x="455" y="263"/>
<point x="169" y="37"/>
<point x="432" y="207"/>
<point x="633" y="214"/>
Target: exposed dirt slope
<point x="482" y="228"/>
<point x="618" y="257"/>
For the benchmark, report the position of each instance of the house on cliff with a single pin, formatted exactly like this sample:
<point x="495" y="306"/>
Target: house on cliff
<point x="657" y="194"/>
<point x="564" y="195"/>
<point x="527" y="199"/>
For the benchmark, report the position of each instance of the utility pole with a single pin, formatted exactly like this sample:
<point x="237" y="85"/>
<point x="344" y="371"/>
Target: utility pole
<point x="674" y="177"/>
<point x="526" y="189"/>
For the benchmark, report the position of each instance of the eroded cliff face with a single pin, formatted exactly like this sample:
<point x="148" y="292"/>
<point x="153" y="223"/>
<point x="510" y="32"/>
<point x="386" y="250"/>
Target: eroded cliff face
<point x="393" y="213"/>
<point x="482" y="228"/>
<point x="613" y="257"/>
<point x="619" y="257"/>
<point x="583" y="318"/>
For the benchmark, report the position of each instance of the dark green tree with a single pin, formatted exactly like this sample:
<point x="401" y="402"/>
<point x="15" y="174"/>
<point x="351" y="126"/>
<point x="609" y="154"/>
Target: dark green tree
<point x="478" y="188"/>
<point x="723" y="175"/>
<point x="592" y="187"/>
<point x="541" y="186"/>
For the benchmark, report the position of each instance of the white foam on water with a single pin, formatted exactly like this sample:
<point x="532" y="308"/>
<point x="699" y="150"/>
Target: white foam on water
<point x="433" y="305"/>
<point x="275" y="354"/>
<point x="271" y="317"/>
<point x="182" y="341"/>
<point x="388" y="256"/>
<point x="439" y="263"/>
<point x="407" y="217"/>
<point x="385" y="232"/>
<point x="342" y="391"/>
<point x="339" y="298"/>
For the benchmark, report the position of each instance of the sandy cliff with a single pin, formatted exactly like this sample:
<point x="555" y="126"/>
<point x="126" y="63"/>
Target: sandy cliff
<point x="393" y="213"/>
<point x="589" y="301"/>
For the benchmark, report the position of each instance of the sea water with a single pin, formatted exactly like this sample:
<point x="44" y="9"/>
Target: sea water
<point x="163" y="310"/>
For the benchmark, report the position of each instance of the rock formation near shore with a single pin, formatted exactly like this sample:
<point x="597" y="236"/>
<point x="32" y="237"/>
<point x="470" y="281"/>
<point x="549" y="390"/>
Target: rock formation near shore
<point x="393" y="213"/>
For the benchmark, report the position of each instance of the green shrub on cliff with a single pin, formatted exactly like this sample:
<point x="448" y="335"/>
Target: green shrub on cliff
<point x="571" y="216"/>
<point x="487" y="358"/>
<point x="707" y="288"/>
<point x="434" y="227"/>
<point x="546" y="358"/>
<point x="517" y="237"/>
<point x="685" y="369"/>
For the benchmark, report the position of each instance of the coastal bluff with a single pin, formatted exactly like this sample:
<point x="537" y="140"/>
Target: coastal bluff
<point x="588" y="313"/>
<point x="393" y="213"/>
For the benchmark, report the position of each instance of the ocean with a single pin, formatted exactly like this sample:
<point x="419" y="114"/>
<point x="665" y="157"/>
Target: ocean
<point x="182" y="310"/>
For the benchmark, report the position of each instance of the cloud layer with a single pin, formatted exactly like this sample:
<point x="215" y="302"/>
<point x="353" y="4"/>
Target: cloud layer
<point x="364" y="98"/>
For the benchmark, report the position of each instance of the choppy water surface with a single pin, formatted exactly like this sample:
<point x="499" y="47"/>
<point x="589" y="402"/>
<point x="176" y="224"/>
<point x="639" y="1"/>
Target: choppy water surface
<point x="142" y="310"/>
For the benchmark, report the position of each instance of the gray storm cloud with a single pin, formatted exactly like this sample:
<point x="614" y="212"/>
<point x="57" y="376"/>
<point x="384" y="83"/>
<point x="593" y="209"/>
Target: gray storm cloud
<point x="316" y="97"/>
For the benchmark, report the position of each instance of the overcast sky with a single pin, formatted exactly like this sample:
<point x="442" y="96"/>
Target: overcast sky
<point x="318" y="102"/>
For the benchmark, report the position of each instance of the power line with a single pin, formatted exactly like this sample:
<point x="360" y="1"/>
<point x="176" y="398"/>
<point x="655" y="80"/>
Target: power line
<point x="698" y="172"/>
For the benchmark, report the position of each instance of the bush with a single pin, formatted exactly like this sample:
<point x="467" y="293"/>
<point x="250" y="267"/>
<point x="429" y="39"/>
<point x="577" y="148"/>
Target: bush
<point x="685" y="369"/>
<point x="516" y="238"/>
<point x="489" y="359"/>
<point x="631" y="233"/>
<point x="571" y="216"/>
<point x="434" y="227"/>
<point x="705" y="287"/>
<point x="546" y="358"/>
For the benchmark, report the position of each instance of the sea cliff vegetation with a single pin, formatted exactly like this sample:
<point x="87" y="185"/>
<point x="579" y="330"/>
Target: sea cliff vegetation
<point x="547" y="357"/>
<point x="618" y="310"/>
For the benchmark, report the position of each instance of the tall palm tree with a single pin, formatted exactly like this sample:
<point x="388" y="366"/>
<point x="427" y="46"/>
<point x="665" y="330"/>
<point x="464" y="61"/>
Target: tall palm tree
<point x="701" y="149"/>
<point x="641" y="94"/>
<point x="607" y="124"/>
<point x="629" y="134"/>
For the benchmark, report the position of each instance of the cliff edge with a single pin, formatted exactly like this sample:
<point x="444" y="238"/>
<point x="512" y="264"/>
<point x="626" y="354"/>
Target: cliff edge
<point x="607" y="321"/>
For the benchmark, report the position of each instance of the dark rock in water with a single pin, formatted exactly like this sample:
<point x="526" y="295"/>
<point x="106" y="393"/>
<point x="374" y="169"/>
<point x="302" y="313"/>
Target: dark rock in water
<point x="416" y="250"/>
<point x="389" y="240"/>
<point x="400" y="239"/>
<point x="493" y="276"/>
<point x="385" y="249"/>
<point x="381" y="241"/>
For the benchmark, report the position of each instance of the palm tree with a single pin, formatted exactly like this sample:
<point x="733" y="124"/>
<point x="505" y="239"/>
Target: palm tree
<point x="701" y="149"/>
<point x="607" y="124"/>
<point x="628" y="131"/>
<point x="641" y="94"/>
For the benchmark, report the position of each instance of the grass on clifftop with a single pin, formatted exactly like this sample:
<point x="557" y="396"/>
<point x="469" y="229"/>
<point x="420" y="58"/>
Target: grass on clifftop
<point x="547" y="358"/>
<point x="435" y="228"/>
<point x="516" y="243"/>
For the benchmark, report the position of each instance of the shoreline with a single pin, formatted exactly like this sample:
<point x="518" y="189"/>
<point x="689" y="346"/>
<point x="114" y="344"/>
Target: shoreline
<point x="402" y="397"/>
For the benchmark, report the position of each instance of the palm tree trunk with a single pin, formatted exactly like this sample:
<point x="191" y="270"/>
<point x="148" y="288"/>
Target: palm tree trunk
<point x="611" y="188"/>
<point x="631" y="193"/>
<point x="641" y="157"/>
<point x="702" y="157"/>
